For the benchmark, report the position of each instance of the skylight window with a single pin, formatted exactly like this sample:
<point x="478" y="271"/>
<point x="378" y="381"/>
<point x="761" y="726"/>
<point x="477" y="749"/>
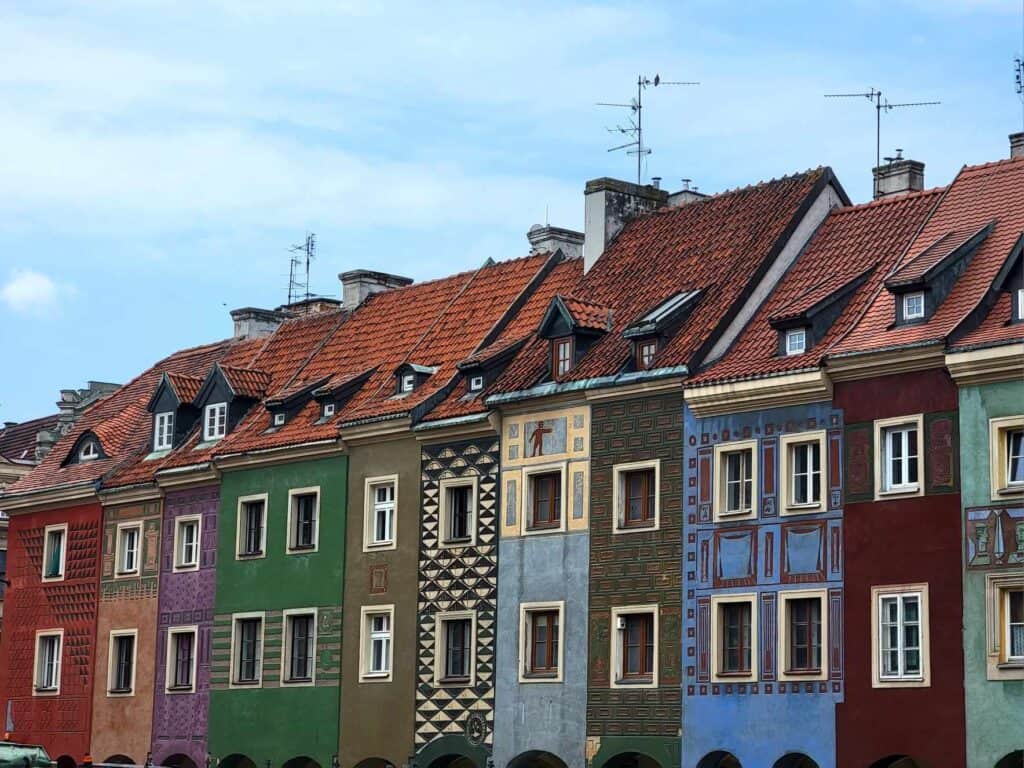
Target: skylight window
<point x="796" y="341"/>
<point x="913" y="306"/>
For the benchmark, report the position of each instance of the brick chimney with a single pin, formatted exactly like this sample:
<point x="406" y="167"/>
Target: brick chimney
<point x="898" y="176"/>
<point x="609" y="204"/>
<point x="1017" y="144"/>
<point x="358" y="284"/>
<point x="252" y="322"/>
<point x="545" y="238"/>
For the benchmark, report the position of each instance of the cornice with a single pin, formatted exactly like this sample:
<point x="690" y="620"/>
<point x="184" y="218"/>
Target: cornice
<point x="449" y="430"/>
<point x="130" y="494"/>
<point x="885" y="362"/>
<point x="759" y="394"/>
<point x="184" y="477"/>
<point x="377" y="431"/>
<point x="49" y="498"/>
<point x="987" y="366"/>
<point x="285" y="455"/>
<point x="659" y="386"/>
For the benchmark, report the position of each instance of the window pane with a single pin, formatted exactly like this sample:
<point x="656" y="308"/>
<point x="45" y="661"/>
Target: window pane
<point x="1015" y="456"/>
<point x="1015" y="613"/>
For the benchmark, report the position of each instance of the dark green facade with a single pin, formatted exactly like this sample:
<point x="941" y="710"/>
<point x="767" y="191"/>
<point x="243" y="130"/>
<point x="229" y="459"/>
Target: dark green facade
<point x="274" y="722"/>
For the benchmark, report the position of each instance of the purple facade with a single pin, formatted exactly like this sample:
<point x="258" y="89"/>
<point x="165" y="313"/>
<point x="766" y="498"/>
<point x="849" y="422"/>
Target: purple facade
<point x="186" y="599"/>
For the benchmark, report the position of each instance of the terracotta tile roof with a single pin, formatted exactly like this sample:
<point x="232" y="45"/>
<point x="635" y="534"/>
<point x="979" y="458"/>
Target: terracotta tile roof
<point x="588" y="314"/>
<point x="978" y="195"/>
<point x="915" y="269"/>
<point x="185" y="387"/>
<point x="18" y="441"/>
<point x="246" y="382"/>
<point x="862" y="238"/>
<point x="995" y="328"/>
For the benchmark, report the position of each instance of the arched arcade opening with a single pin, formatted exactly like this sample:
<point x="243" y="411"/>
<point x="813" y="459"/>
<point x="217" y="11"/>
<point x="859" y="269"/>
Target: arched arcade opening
<point x="719" y="759"/>
<point x="795" y="760"/>
<point x="896" y="761"/>
<point x="536" y="759"/>
<point x="179" y="761"/>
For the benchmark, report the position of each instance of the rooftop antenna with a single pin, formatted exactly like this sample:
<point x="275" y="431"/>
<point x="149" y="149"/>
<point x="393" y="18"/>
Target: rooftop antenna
<point x="635" y="129"/>
<point x="881" y="105"/>
<point x="304" y="252"/>
<point x="1018" y="65"/>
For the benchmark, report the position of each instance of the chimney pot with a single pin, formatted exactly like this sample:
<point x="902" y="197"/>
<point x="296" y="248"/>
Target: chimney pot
<point x="898" y="177"/>
<point x="608" y="205"/>
<point x="1017" y="144"/>
<point x="358" y="284"/>
<point x="253" y="322"/>
<point x="656" y="182"/>
<point x="545" y="238"/>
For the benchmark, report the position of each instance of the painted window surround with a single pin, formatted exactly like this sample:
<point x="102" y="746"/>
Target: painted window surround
<point x="526" y="519"/>
<point x="120" y="572"/>
<point x="472" y="482"/>
<point x="891" y="590"/>
<point x="786" y="443"/>
<point x="47" y="552"/>
<point x="998" y="429"/>
<point x="996" y="587"/>
<point x="719" y="478"/>
<point x="619" y="496"/>
<point x="290" y="548"/>
<point x="367" y="612"/>
<point x="37" y="689"/>
<point x="717" y="601"/>
<point x="286" y="646"/>
<point x="236" y="639"/>
<point x="112" y="661"/>
<point x="170" y="659"/>
<point x="240" y="527"/>
<point x="616" y="645"/>
<point x="525" y="609"/>
<point x="782" y="646"/>
<point x="880" y="427"/>
<point x="178" y="566"/>
<point x="369" y="500"/>
<point x="440" y="643"/>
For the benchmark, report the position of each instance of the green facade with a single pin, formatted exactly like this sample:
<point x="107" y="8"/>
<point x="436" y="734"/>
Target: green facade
<point x="995" y="724"/>
<point x="275" y="721"/>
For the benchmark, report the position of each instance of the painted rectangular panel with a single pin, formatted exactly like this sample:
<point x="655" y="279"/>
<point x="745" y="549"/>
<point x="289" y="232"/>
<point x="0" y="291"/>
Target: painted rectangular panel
<point x="705" y="477"/>
<point x="860" y="478"/>
<point x="768" y="634"/>
<point x="769" y="473"/>
<point x="835" y="634"/>
<point x="704" y="639"/>
<point x="835" y="469"/>
<point x="735" y="557"/>
<point x="941" y="467"/>
<point x="803" y="552"/>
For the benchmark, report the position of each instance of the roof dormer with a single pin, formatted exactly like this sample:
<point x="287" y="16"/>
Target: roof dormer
<point x="334" y="393"/>
<point x="572" y="326"/>
<point x="806" y="319"/>
<point x="174" y="413"/>
<point x="409" y="376"/>
<point x="86" y="448"/>
<point x="649" y="333"/>
<point x="290" y="400"/>
<point x="484" y="366"/>
<point x="226" y="396"/>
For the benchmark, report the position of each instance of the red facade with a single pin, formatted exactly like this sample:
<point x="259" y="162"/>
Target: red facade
<point x="60" y="723"/>
<point x="900" y="541"/>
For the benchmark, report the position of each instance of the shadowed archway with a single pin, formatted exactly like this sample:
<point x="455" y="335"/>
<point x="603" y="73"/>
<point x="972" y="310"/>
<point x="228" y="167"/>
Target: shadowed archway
<point x="536" y="759"/>
<point x="237" y="761"/>
<point x="119" y="760"/>
<point x="66" y="761"/>
<point x="630" y="760"/>
<point x="180" y="761"/>
<point x="301" y="762"/>
<point x="719" y="759"/>
<point x="373" y="762"/>
<point x="795" y="760"/>
<point x="1012" y="760"/>
<point x="896" y="761"/>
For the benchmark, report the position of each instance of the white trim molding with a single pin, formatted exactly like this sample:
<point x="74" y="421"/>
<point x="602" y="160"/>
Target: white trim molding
<point x="879" y="593"/>
<point x="525" y="640"/>
<point x="616" y="644"/>
<point x="620" y="495"/>
<point x="881" y="426"/>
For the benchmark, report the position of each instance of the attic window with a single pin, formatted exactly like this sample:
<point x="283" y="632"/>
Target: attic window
<point x="328" y="410"/>
<point x="163" y="431"/>
<point x="645" y="352"/>
<point x="279" y="419"/>
<point x="215" y="421"/>
<point x="913" y="305"/>
<point x="408" y="382"/>
<point x="476" y="383"/>
<point x="89" y="451"/>
<point x="1019" y="306"/>
<point x="796" y="341"/>
<point x="561" y="356"/>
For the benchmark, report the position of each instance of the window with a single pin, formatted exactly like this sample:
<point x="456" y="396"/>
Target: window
<point x="803" y="629"/>
<point x="186" y="542"/>
<point x="900" y="619"/>
<point x="796" y="341"/>
<point x="1013" y="626"/>
<point x="279" y="419"/>
<point x="127" y="557"/>
<point x="635" y="496"/>
<point x="381" y="500"/>
<point x="458" y="503"/>
<point x="300" y="645"/>
<point x="408" y="382"/>
<point x="247" y="649"/>
<point x="476" y="383"/>
<point x="897" y="444"/>
<point x="375" y="649"/>
<point x="735" y="489"/>
<point x="546" y="496"/>
<point x="1006" y="455"/>
<point x="734" y="637"/>
<point x="1019" y="300"/>
<point x="802" y="472"/>
<point x="252" y="530"/>
<point x="181" y="659"/>
<point x="540" y="627"/>
<point x="328" y="410"/>
<point x="303" y="518"/>
<point x="1015" y="457"/>
<point x="163" y="431"/>
<point x="121" y="671"/>
<point x="562" y="354"/>
<point x="1004" y="625"/>
<point x="54" y="550"/>
<point x="634" y="646"/>
<point x="215" y="421"/>
<point x="48" y="662"/>
<point x="913" y="305"/>
<point x="89" y="451"/>
<point x="645" y="352"/>
<point x="455" y="636"/>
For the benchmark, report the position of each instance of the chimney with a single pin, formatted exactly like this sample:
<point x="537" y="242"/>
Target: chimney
<point x="685" y="195"/>
<point x="1017" y="144"/>
<point x="314" y="305"/>
<point x="609" y="204"/>
<point x="358" y="284"/>
<point x="898" y="176"/>
<point x="550" y="239"/>
<point x="253" y="322"/>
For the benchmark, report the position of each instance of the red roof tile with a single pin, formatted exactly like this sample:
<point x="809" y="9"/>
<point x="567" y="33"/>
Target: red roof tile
<point x="917" y="268"/>
<point x="185" y="387"/>
<point x="588" y="314"/>
<point x="246" y="382"/>
<point x="995" y="328"/>
<point x="18" y="441"/>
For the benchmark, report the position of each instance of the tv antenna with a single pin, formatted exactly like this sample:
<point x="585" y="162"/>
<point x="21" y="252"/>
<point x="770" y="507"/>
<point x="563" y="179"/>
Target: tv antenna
<point x="1018" y="65"/>
<point x="304" y="252"/>
<point x="635" y="129"/>
<point x="881" y="105"/>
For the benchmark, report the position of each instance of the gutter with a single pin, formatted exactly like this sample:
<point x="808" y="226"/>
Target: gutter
<point x="454" y="421"/>
<point x="599" y="382"/>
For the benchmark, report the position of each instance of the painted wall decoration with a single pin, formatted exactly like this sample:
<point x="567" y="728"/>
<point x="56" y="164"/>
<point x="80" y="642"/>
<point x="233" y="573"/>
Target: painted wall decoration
<point x="994" y="537"/>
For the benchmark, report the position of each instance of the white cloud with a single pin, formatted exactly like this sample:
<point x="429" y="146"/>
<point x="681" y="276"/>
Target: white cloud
<point x="29" y="292"/>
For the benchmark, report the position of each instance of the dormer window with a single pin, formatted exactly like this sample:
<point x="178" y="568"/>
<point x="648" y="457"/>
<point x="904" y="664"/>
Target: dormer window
<point x="163" y="431"/>
<point x="279" y="419"/>
<point x="328" y="410"/>
<point x="913" y="305"/>
<point x="1018" y="305"/>
<point x="408" y="382"/>
<point x="476" y="383"/>
<point x="562" y="354"/>
<point x="645" y="352"/>
<point x="796" y="341"/>
<point x="89" y="451"/>
<point x="215" y="421"/>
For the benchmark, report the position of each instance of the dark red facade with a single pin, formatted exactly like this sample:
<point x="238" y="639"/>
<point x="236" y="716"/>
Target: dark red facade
<point x="60" y="723"/>
<point x="912" y="540"/>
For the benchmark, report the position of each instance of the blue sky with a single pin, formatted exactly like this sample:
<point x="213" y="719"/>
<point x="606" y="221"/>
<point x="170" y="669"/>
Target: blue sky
<point x="159" y="156"/>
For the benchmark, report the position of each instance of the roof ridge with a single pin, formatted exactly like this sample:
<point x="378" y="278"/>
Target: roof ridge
<point x="888" y="200"/>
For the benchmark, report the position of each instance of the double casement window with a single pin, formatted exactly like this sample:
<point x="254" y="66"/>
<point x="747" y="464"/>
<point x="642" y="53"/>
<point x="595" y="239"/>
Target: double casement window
<point x="634" y="647"/>
<point x="55" y="539"/>
<point x="455" y="635"/>
<point x="803" y="633"/>
<point x="163" y="431"/>
<point x="381" y="500"/>
<point x="247" y="649"/>
<point x="129" y="537"/>
<point x="645" y="352"/>
<point x="1013" y="625"/>
<point x="181" y="659"/>
<point x="215" y="421"/>
<point x="1004" y="624"/>
<point x="186" y="542"/>
<point x="635" y="496"/>
<point x="540" y="630"/>
<point x="734" y="637"/>
<point x="1006" y="452"/>
<point x="561" y="356"/>
<point x="897" y="446"/>
<point x="900" y="618"/>
<point x="303" y="519"/>
<point x="121" y="667"/>
<point x="49" y="645"/>
<point x="802" y="472"/>
<point x="300" y="645"/>
<point x="458" y="502"/>
<point x="913" y="305"/>
<point x="375" y="650"/>
<point x="252" y="526"/>
<point x="736" y="483"/>
<point x="546" y="500"/>
<point x="796" y="341"/>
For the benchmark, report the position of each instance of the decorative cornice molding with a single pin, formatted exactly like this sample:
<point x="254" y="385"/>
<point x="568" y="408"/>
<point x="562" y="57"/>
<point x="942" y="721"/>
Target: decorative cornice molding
<point x="377" y="431"/>
<point x="49" y="498"/>
<point x="987" y="366"/>
<point x="130" y="494"/>
<point x="632" y="390"/>
<point x="759" y="394"/>
<point x="183" y="477"/>
<point x="449" y="430"/>
<point x="285" y="455"/>
<point x="885" y="362"/>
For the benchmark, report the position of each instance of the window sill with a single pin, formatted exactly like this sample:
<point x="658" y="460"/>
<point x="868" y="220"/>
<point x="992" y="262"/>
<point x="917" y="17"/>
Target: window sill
<point x="120" y="692"/>
<point x="51" y="579"/>
<point x="245" y="683"/>
<point x="189" y="567"/>
<point x="627" y="681"/>
<point x="736" y="513"/>
<point x="303" y="548"/>
<point x="1011" y="490"/>
<point x="808" y="673"/>
<point x="648" y="525"/>
<point x="381" y="544"/>
<point x="1010" y="666"/>
<point x="122" y="574"/>
<point x="298" y="681"/>
<point x="744" y="675"/>
<point x="901" y="490"/>
<point x="46" y="691"/>
<point x="552" y="675"/>
<point x="796" y="509"/>
<point x="249" y="555"/>
<point x="454" y="681"/>
<point x="375" y="677"/>
<point x="460" y="542"/>
<point x="545" y="526"/>
<point x="180" y="689"/>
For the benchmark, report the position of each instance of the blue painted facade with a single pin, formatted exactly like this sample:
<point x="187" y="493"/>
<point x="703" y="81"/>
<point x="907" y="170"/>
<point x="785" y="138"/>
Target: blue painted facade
<point x="769" y="714"/>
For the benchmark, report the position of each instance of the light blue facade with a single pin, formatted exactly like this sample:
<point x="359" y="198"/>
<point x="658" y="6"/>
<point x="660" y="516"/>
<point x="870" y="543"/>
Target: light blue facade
<point x="761" y="718"/>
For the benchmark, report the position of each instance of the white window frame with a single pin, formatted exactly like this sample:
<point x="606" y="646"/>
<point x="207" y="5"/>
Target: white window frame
<point x="441" y="648"/>
<point x="120" y="572"/>
<point x="290" y="547"/>
<point x="997" y="588"/>
<point x="179" y="523"/>
<point x="999" y="459"/>
<point x="111" y="659"/>
<point x="240" y="526"/>
<point x="286" y="646"/>
<point x="328" y="410"/>
<point x="366" y="613"/>
<point x="220" y="425"/>
<point x="882" y="469"/>
<point x="89" y="451"/>
<point x="163" y="431"/>
<point x="280" y="418"/>
<point x="476" y="383"/>
<point x="408" y="383"/>
<point x="619" y="496"/>
<point x="370" y="485"/>
<point x="63" y="552"/>
<point x="717" y="675"/>
<point x="526" y="610"/>
<point x="907" y="299"/>
<point x="526" y="519"/>
<point x="472" y="482"/>
<point x="791" y="336"/>
<point x="719" y="477"/>
<point x="906" y="681"/>
<point x="616" y="644"/>
<point x="1019" y="294"/>
<point x="170" y="658"/>
<point x="782" y="646"/>
<point x="36" y="676"/>
<point x="787" y="444"/>
<point x="236" y="637"/>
